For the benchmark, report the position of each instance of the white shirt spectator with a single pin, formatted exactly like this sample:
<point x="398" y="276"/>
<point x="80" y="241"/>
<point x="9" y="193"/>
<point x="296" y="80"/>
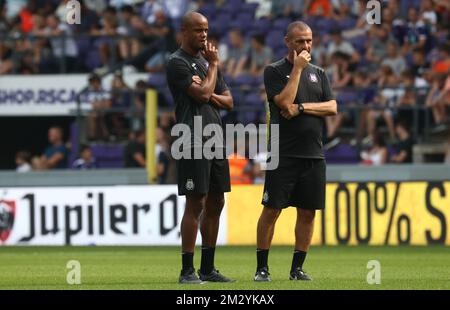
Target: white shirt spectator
<point x="343" y="47"/>
<point x="71" y="48"/>
<point x="397" y="64"/>
<point x="25" y="167"/>
<point x="177" y="8"/>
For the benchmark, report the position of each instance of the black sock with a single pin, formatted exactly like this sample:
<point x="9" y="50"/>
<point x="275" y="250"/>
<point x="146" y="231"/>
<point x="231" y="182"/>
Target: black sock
<point x="187" y="259"/>
<point x="262" y="257"/>
<point x="298" y="259"/>
<point x="207" y="264"/>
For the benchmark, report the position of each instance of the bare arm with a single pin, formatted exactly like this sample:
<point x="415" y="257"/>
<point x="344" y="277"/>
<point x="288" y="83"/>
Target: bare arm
<point x="223" y="101"/>
<point x="53" y="161"/>
<point x="139" y="158"/>
<point x="320" y="109"/>
<point x="202" y="92"/>
<point x="287" y="95"/>
<point x="400" y="157"/>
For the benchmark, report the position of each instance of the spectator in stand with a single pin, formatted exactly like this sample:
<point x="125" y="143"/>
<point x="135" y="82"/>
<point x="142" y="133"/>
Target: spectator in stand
<point x="149" y="10"/>
<point x="129" y="46"/>
<point x="428" y="14"/>
<point x="238" y="54"/>
<point x="338" y="44"/>
<point x="341" y="79"/>
<point x="135" y="150"/>
<point x="376" y="44"/>
<point x="287" y="9"/>
<point x="63" y="50"/>
<point x="438" y="100"/>
<point x="137" y="113"/>
<point x="442" y="63"/>
<point x="121" y="98"/>
<point x="260" y="55"/>
<point x="86" y="159"/>
<point x="403" y="148"/>
<point x="393" y="59"/>
<point x="107" y="44"/>
<point x="322" y="8"/>
<point x="23" y="161"/>
<point x="378" y="154"/>
<point x="385" y="102"/>
<point x="420" y="63"/>
<point x="240" y="167"/>
<point x="100" y="100"/>
<point x="417" y="35"/>
<point x="55" y="155"/>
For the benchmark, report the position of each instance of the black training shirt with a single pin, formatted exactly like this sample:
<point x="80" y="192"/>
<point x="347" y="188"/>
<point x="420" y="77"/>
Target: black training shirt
<point x="300" y="136"/>
<point x="181" y="67"/>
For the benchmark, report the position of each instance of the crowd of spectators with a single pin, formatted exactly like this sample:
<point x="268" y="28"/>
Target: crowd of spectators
<point x="393" y="69"/>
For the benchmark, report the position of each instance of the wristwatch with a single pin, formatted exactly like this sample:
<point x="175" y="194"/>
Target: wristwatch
<point x="301" y="108"/>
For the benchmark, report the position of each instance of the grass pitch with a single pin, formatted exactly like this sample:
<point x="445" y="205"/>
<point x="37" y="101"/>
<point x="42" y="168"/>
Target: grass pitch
<point x="158" y="268"/>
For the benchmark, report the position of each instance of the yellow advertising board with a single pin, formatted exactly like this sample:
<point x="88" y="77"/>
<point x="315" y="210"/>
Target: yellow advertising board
<point x="366" y="213"/>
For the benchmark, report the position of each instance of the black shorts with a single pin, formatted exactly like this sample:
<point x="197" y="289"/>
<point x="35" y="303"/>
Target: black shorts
<point x="202" y="176"/>
<point x="297" y="182"/>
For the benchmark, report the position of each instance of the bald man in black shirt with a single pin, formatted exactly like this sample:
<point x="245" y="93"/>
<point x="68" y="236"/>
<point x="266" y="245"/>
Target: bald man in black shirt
<point x="199" y="91"/>
<point x="299" y="97"/>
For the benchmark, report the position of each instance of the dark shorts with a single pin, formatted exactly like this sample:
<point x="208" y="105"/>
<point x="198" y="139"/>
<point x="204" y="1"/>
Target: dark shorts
<point x="202" y="176"/>
<point x="297" y="182"/>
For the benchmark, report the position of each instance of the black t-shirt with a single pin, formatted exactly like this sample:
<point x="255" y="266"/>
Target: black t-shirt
<point x="131" y="149"/>
<point x="300" y="136"/>
<point x="181" y="67"/>
<point x="405" y="145"/>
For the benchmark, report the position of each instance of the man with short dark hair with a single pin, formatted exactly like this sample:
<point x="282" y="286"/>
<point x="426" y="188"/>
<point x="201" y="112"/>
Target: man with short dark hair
<point x="55" y="155"/>
<point x="299" y="96"/>
<point x="199" y="91"/>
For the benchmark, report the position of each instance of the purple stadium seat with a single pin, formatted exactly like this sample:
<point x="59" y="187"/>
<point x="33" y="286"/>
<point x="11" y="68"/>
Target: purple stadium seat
<point x="326" y="25"/>
<point x="347" y="23"/>
<point x="232" y="7"/>
<point x="281" y="24"/>
<point x="92" y="60"/>
<point x="359" y="43"/>
<point x="254" y="99"/>
<point x="245" y="80"/>
<point x="157" y="80"/>
<point x="209" y="10"/>
<point x="274" y="39"/>
<point x="249" y="7"/>
<point x="168" y="97"/>
<point x="108" y="156"/>
<point x="347" y="97"/>
<point x="281" y="52"/>
<point x="342" y="154"/>
<point x="262" y="25"/>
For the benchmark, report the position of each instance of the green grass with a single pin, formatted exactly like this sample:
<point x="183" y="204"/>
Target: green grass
<point x="158" y="268"/>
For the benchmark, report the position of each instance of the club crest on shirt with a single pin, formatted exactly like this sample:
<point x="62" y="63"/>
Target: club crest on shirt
<point x="190" y="185"/>
<point x="266" y="197"/>
<point x="313" y="78"/>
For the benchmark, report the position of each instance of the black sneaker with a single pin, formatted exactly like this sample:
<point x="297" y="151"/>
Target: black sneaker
<point x="189" y="277"/>
<point x="214" y="276"/>
<point x="262" y="275"/>
<point x="299" y="274"/>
